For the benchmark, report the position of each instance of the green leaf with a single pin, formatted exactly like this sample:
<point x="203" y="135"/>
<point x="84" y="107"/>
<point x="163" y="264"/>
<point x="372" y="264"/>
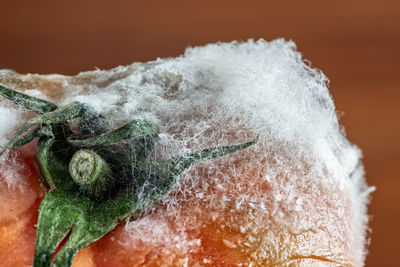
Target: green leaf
<point x="29" y="102"/>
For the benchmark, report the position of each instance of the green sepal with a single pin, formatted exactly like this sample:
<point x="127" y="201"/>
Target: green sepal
<point x="60" y="115"/>
<point x="182" y="162"/>
<point x="29" y="102"/>
<point x="163" y="176"/>
<point x="131" y="130"/>
<point x="37" y="132"/>
<point x="54" y="166"/>
<point x="57" y="213"/>
<point x="92" y="124"/>
<point x="66" y="211"/>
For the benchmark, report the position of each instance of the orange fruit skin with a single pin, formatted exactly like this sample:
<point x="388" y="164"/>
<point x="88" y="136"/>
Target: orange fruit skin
<point x="18" y="213"/>
<point x="219" y="238"/>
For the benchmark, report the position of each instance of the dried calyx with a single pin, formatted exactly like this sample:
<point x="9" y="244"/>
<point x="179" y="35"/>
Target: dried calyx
<point x="93" y="183"/>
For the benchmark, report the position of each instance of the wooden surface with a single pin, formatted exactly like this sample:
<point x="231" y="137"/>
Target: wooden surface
<point x="355" y="43"/>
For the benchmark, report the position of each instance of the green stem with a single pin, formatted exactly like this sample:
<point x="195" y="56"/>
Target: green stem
<point x="91" y="173"/>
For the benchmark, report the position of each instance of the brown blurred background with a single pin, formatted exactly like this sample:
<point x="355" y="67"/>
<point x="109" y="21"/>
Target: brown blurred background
<point x="355" y="43"/>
